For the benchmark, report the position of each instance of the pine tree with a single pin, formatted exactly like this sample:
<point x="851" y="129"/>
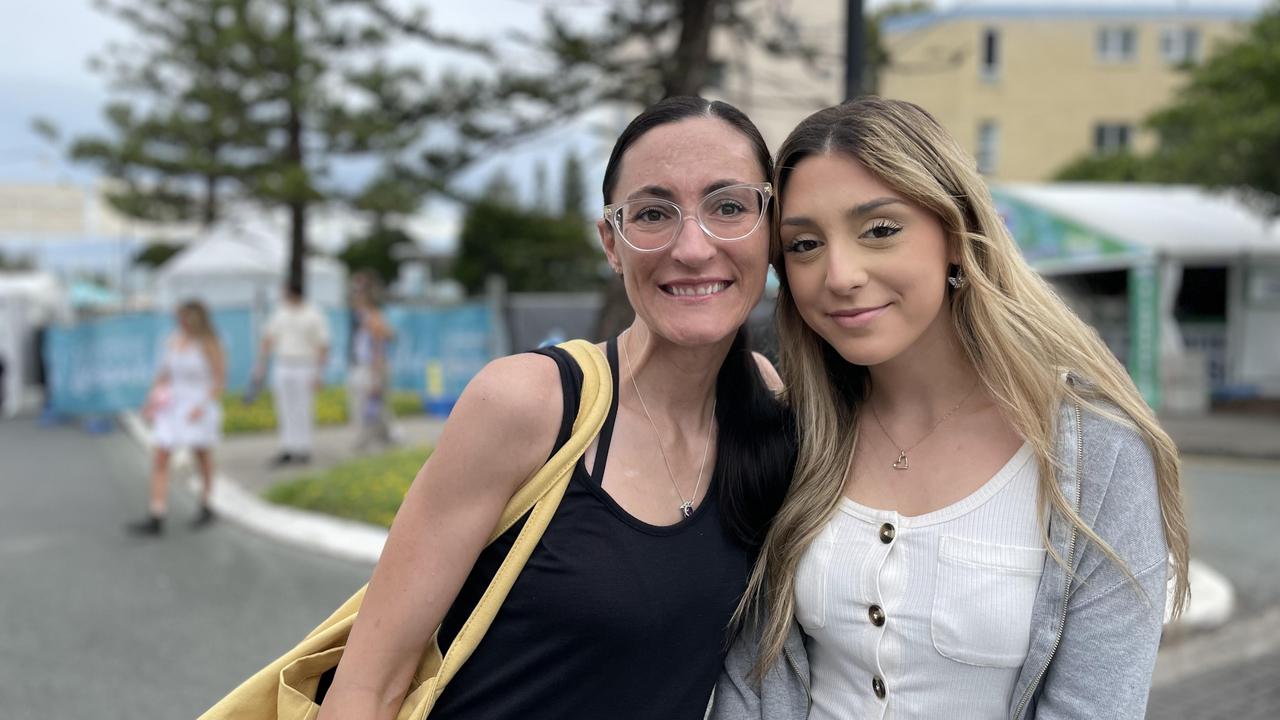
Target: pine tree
<point x="573" y="198"/>
<point x="259" y="98"/>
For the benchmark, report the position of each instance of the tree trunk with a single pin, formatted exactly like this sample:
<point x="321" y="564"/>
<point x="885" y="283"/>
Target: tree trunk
<point x="689" y="73"/>
<point x="295" y="165"/>
<point x="209" y="208"/>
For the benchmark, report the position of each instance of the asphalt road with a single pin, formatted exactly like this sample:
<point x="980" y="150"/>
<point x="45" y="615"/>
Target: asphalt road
<point x="97" y="624"/>
<point x="1232" y="673"/>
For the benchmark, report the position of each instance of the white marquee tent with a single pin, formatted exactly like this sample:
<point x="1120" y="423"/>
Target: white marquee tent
<point x="27" y="301"/>
<point x="1153" y="232"/>
<point x="230" y="267"/>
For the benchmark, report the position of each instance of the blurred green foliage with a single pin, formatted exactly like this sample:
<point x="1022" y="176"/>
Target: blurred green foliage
<point x="376" y="252"/>
<point x="331" y="409"/>
<point x="533" y="248"/>
<point x="368" y="489"/>
<point x="1222" y="128"/>
<point x="156" y="254"/>
<point x="1110" y="167"/>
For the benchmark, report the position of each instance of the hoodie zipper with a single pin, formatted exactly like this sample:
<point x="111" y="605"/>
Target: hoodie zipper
<point x="1071" y="554"/>
<point x="795" y="667"/>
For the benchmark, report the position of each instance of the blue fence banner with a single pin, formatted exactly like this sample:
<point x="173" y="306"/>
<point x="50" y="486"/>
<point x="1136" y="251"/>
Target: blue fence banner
<point x="106" y="364"/>
<point x="102" y="365"/>
<point x="454" y="339"/>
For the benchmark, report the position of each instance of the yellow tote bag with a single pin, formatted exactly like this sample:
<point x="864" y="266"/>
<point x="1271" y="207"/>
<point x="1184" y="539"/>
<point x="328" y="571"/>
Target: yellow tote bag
<point x="284" y="690"/>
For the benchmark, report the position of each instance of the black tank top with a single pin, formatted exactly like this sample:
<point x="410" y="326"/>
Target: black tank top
<point x="611" y="617"/>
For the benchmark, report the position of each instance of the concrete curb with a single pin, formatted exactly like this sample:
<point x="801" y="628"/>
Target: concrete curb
<point x="325" y="534"/>
<point x="1213" y="600"/>
<point x="1212" y="595"/>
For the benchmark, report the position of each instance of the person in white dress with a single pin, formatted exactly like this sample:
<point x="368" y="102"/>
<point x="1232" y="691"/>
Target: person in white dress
<point x="185" y="411"/>
<point x="296" y="339"/>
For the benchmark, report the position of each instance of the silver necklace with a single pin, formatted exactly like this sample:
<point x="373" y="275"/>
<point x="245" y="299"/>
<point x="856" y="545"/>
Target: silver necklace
<point x="686" y="506"/>
<point x="902" y="463"/>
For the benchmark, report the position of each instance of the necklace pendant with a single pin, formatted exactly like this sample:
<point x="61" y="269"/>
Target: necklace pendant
<point x="686" y="508"/>
<point x="901" y="463"/>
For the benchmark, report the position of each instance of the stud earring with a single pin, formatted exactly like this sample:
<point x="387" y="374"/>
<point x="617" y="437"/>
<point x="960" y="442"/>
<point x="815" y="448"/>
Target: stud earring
<point x="957" y="280"/>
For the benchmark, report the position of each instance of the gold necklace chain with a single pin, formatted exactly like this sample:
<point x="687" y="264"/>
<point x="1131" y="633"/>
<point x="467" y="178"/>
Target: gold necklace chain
<point x="686" y="506"/>
<point x="902" y="463"/>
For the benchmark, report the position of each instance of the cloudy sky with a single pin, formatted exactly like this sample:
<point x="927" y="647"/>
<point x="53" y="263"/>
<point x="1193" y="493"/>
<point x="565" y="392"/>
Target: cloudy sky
<point x="45" y="47"/>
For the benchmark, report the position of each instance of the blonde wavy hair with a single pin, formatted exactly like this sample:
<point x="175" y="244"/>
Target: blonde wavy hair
<point x="1016" y="331"/>
<point x="200" y="327"/>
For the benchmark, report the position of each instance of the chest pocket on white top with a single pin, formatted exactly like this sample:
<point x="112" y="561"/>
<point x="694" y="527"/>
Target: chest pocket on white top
<point x="982" y="601"/>
<point x="811" y="580"/>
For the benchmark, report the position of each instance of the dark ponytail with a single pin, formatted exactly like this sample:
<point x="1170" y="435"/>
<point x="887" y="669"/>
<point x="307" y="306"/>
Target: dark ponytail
<point x="755" y="448"/>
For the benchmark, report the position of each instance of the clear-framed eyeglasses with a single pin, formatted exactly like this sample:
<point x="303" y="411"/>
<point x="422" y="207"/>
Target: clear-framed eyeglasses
<point x="730" y="213"/>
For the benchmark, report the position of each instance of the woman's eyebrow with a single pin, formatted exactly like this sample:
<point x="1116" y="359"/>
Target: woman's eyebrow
<point x="855" y="211"/>
<point x="876" y="204"/>
<point x="798" y="220"/>
<point x="652" y="191"/>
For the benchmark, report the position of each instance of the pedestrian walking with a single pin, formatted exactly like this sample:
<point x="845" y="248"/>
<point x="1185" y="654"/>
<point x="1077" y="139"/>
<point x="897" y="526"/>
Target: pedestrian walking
<point x="185" y="411"/>
<point x="368" y="378"/>
<point x="296" y="345"/>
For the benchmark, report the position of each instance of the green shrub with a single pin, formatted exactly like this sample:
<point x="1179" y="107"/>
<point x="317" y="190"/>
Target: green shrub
<point x="369" y="489"/>
<point x="331" y="409"/>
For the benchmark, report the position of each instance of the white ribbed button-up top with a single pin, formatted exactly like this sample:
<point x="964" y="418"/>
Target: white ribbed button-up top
<point x="926" y="616"/>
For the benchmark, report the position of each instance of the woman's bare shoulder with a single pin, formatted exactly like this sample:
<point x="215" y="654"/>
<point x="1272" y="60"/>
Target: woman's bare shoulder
<point x="517" y="395"/>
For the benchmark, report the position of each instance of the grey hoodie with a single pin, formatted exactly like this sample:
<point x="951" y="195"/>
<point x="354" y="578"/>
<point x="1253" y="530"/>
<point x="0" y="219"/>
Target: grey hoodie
<point x="1093" y="646"/>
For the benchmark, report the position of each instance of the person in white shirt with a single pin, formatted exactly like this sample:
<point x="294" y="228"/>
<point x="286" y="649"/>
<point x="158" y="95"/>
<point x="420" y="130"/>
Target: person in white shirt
<point x="297" y="334"/>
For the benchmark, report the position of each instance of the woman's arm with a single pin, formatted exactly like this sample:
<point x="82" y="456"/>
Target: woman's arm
<point x="1104" y="664"/>
<point x="218" y="369"/>
<point x="381" y="333"/>
<point x="162" y="364"/>
<point x="498" y="435"/>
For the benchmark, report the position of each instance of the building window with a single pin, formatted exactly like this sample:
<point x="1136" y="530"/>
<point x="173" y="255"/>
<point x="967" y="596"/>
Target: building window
<point x="1180" y="46"/>
<point x="990" y="54"/>
<point x="988" y="146"/>
<point x="1111" y="137"/>
<point x="1117" y="44"/>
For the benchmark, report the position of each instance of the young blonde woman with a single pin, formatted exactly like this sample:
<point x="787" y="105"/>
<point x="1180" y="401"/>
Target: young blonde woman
<point x="984" y="513"/>
<point x="185" y="411"/>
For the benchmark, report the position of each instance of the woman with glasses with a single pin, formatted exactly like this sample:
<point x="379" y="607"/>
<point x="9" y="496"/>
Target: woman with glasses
<point x="622" y="609"/>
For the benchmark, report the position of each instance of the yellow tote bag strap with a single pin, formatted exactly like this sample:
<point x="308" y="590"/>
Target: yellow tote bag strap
<point x="542" y="493"/>
<point x="597" y="395"/>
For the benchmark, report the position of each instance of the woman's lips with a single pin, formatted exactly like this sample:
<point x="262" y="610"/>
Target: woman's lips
<point x="695" y="290"/>
<point x="857" y="317"/>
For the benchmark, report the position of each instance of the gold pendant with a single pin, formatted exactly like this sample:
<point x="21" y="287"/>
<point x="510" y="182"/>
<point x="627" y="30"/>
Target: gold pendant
<point x="901" y="463"/>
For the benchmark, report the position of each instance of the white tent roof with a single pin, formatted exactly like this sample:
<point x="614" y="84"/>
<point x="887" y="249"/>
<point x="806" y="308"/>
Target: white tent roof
<point x="1181" y="221"/>
<point x="233" y="266"/>
<point x="43" y="291"/>
<point x="221" y="256"/>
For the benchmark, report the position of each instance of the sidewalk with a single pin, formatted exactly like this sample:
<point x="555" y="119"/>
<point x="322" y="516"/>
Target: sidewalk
<point x="244" y="474"/>
<point x="245" y="457"/>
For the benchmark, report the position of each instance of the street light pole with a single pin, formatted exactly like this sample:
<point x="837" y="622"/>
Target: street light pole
<point x="854" y="49"/>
